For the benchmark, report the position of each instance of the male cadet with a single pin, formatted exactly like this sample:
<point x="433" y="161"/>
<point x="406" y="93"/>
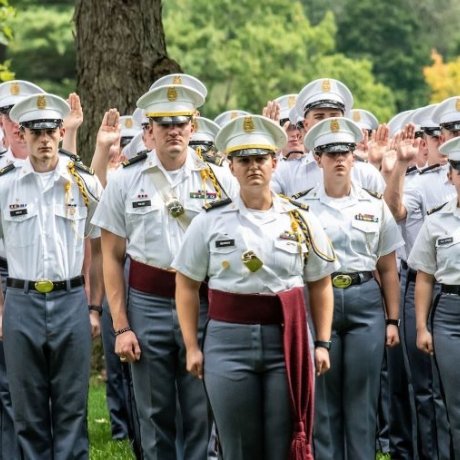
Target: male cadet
<point x="10" y="93"/>
<point x="144" y="212"/>
<point x="410" y="203"/>
<point x="318" y="100"/>
<point x="45" y="208"/>
<point x="294" y="149"/>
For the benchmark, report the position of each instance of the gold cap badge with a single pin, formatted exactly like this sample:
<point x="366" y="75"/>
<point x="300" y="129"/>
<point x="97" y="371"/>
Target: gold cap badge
<point x="129" y="123"/>
<point x="457" y="104"/>
<point x="248" y="125"/>
<point x="15" y="89"/>
<point x="335" y="127"/>
<point x="291" y="101"/>
<point x="172" y="94"/>
<point x="41" y="102"/>
<point x="356" y="116"/>
<point x="177" y="80"/>
<point x="326" y="86"/>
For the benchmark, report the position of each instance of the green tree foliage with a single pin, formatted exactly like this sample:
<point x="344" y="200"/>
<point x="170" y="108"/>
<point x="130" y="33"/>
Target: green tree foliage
<point x="388" y="34"/>
<point x="6" y="34"/>
<point x="42" y="50"/>
<point x="247" y="52"/>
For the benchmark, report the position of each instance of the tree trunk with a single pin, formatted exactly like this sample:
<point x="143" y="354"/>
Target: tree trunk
<point x="121" y="51"/>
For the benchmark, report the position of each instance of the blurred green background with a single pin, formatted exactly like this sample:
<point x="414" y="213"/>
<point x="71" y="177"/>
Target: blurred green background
<point x="247" y="52"/>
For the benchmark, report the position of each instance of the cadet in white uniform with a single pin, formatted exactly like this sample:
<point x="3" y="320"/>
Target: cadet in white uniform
<point x="436" y="257"/>
<point x="144" y="212"/>
<point x="321" y="99"/>
<point x="45" y="207"/>
<point x="257" y="251"/>
<point x="410" y="197"/>
<point x="10" y="93"/>
<point x="365" y="237"/>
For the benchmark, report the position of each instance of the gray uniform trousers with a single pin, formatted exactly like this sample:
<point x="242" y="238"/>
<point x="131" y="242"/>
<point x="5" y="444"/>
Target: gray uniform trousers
<point x="246" y="382"/>
<point x="347" y="395"/>
<point x="9" y="445"/>
<point x="445" y="327"/>
<point x="119" y="389"/>
<point x="47" y="342"/>
<point x="396" y="434"/>
<point x="430" y="417"/>
<point x="160" y="375"/>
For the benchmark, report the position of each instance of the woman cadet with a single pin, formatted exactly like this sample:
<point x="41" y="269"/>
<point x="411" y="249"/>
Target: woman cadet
<point x="436" y="257"/>
<point x="365" y="237"/>
<point x="256" y="252"/>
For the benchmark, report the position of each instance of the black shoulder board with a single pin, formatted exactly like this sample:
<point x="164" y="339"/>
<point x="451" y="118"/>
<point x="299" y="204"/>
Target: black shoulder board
<point x="429" y="168"/>
<point x="79" y="165"/>
<point x="7" y="169"/>
<point x="411" y="170"/>
<point x="305" y="207"/>
<point x="3" y="152"/>
<point x="298" y="195"/>
<point x="377" y="195"/>
<point x="74" y="157"/>
<point x="216" y="204"/>
<point x="139" y="157"/>
<point x="437" y="208"/>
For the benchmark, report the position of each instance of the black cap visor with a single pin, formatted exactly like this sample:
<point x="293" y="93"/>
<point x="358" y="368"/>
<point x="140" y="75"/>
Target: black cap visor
<point x="455" y="164"/>
<point x="41" y="124"/>
<point x="175" y="120"/>
<point x="451" y="126"/>
<point x="324" y="104"/>
<point x="338" y="147"/>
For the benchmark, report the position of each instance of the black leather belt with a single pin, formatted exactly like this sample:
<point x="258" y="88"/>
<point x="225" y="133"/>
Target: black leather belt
<point x="450" y="289"/>
<point x="343" y="280"/>
<point x="44" y="286"/>
<point x="411" y="274"/>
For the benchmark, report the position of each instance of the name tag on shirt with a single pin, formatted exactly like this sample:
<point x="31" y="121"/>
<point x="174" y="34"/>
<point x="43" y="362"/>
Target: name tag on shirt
<point x="201" y="194"/>
<point x="142" y="204"/>
<point x="225" y="243"/>
<point x="443" y="241"/>
<point x="18" y="212"/>
<point x="366" y="217"/>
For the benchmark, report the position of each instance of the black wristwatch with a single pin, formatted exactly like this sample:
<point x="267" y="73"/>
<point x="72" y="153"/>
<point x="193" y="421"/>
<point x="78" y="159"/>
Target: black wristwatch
<point x="97" y="308"/>
<point x="393" y="322"/>
<point x="323" y="344"/>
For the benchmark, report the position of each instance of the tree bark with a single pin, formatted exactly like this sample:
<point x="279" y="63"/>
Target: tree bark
<point x="121" y="51"/>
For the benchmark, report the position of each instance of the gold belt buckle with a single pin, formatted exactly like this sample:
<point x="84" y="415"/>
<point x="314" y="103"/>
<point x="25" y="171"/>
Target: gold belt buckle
<point x="341" y="281"/>
<point x="44" y="286"/>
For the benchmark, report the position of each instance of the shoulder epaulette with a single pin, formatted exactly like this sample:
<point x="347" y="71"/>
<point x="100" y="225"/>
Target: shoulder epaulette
<point x="73" y="156"/>
<point x="377" y="195"/>
<point x="139" y="157"/>
<point x="305" y="207"/>
<point x="7" y="169"/>
<point x="437" y="208"/>
<point x="216" y="204"/>
<point x="429" y="168"/>
<point x="79" y="165"/>
<point x="3" y="152"/>
<point x="218" y="161"/>
<point x="298" y="195"/>
<point x="411" y="170"/>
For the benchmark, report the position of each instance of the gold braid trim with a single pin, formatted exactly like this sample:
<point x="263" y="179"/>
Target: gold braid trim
<point x="79" y="182"/>
<point x="309" y="240"/>
<point x="208" y="173"/>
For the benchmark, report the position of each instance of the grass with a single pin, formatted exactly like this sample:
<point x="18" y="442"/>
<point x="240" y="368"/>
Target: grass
<point x="102" y="447"/>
